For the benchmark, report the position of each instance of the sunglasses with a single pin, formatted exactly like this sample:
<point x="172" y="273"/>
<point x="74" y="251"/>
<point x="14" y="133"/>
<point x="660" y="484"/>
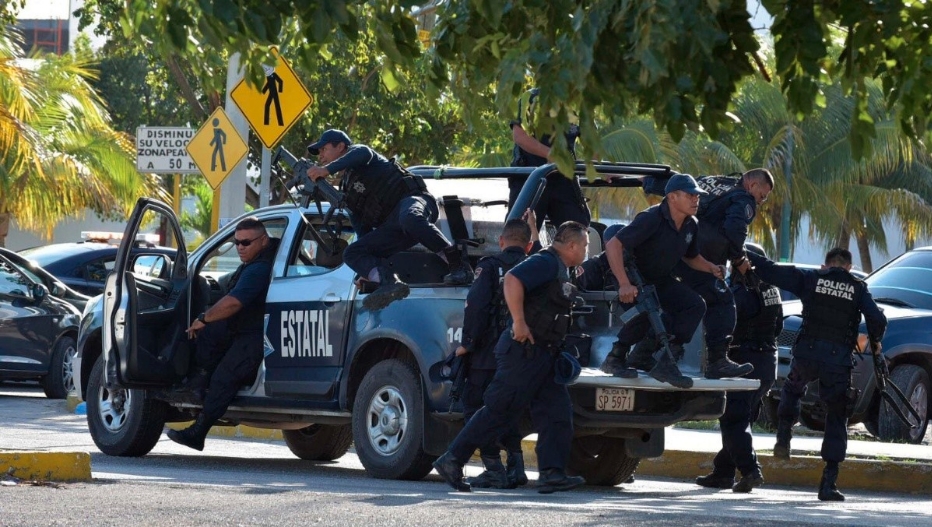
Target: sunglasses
<point x="246" y="243"/>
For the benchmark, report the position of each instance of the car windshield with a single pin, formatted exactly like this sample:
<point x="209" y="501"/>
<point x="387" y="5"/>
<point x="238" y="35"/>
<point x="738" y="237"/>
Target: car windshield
<point x="48" y="254"/>
<point x="905" y="281"/>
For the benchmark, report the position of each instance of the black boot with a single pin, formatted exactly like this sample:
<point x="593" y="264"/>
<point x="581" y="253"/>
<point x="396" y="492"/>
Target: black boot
<point x="781" y="450"/>
<point x="827" y="489"/>
<point x="451" y="472"/>
<point x="493" y="477"/>
<point x="390" y="289"/>
<point x="555" y="480"/>
<point x="716" y="481"/>
<point x="720" y="366"/>
<point x="642" y="356"/>
<point x="667" y="371"/>
<point x="748" y="482"/>
<point x="615" y="363"/>
<point x="515" y="470"/>
<point x="460" y="271"/>
<point x="193" y="436"/>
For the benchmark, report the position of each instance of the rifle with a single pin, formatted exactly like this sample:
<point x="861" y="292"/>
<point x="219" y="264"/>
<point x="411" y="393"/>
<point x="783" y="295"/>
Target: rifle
<point x="883" y="381"/>
<point x="459" y="380"/>
<point x="648" y="303"/>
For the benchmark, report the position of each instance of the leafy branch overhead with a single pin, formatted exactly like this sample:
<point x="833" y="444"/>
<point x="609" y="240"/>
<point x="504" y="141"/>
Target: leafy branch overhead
<point x="680" y="61"/>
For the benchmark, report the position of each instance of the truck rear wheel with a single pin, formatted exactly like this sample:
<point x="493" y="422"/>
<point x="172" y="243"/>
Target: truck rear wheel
<point x="388" y="422"/>
<point x="602" y="460"/>
<point x="913" y="381"/>
<point x="122" y="422"/>
<point x="319" y="442"/>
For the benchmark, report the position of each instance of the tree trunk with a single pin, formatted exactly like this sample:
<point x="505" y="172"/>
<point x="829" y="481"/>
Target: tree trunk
<point x="864" y="251"/>
<point x="844" y="236"/>
<point x="4" y="227"/>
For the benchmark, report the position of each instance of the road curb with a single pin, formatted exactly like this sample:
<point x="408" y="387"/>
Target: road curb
<point x="47" y="466"/>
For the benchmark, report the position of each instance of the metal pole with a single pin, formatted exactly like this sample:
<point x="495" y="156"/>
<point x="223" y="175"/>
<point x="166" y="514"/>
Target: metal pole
<point x="787" y="208"/>
<point x="265" y="178"/>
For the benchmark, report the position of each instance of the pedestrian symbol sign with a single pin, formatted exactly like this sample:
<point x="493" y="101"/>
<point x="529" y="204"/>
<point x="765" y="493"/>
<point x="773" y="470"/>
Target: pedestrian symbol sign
<point x="275" y="106"/>
<point x="217" y="148"/>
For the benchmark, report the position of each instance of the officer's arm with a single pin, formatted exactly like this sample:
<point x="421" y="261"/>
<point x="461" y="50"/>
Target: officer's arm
<point x="699" y="263"/>
<point x="783" y="276"/>
<point x="615" y="253"/>
<point x="778" y="324"/>
<point x="476" y="317"/>
<point x="356" y="156"/>
<point x="528" y="143"/>
<point x="738" y="216"/>
<point x="225" y="308"/>
<point x="873" y="316"/>
<point x="514" y="297"/>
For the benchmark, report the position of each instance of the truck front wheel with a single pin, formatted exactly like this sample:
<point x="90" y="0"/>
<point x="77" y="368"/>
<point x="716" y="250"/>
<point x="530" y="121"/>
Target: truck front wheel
<point x="603" y="461"/>
<point x="122" y="422"/>
<point x="388" y="422"/>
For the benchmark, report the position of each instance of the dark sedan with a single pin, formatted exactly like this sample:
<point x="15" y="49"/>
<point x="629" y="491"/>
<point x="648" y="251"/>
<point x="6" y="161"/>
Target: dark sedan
<point x="56" y="287"/>
<point x="37" y="331"/>
<point x="84" y="266"/>
<point x="903" y="289"/>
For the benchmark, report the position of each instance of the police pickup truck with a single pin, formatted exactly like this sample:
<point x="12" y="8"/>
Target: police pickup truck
<point x="337" y="374"/>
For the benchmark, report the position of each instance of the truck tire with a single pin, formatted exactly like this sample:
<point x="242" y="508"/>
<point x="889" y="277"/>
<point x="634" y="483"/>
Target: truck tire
<point x="122" y="422"/>
<point x="914" y="382"/>
<point x="602" y="460"/>
<point x="812" y="422"/>
<point x="319" y="442"/>
<point x="59" y="381"/>
<point x="388" y="422"/>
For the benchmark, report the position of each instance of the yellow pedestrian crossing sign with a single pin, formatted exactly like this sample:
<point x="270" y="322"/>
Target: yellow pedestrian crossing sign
<point x="272" y="109"/>
<point x="217" y="148"/>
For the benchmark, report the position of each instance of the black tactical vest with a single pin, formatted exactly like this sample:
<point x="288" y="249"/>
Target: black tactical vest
<point x="712" y="207"/>
<point x="832" y="314"/>
<point x="371" y="197"/>
<point x="547" y="310"/>
<point x="760" y="327"/>
<point x="500" y="318"/>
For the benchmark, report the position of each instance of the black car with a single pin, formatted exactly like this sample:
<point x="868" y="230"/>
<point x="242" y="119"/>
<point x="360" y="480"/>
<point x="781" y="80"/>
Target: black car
<point x="84" y="266"/>
<point x="903" y="289"/>
<point x="37" y="331"/>
<point x="56" y="287"/>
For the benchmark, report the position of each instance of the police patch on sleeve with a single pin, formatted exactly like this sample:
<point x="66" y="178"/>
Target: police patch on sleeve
<point x="478" y="271"/>
<point x="749" y="211"/>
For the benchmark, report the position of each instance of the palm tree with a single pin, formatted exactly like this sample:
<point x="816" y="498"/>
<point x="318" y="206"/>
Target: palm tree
<point x="59" y="154"/>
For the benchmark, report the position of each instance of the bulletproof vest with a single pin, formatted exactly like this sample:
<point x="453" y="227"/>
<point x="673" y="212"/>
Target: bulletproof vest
<point x="761" y="326"/>
<point x="498" y="313"/>
<point x="712" y="207"/>
<point x="371" y="197"/>
<point x="832" y="313"/>
<point x="547" y="309"/>
<point x="717" y="187"/>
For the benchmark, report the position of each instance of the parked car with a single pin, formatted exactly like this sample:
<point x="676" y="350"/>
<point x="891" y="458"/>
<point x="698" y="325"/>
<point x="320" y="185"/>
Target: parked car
<point x="84" y="266"/>
<point x="903" y="289"/>
<point x="55" y="286"/>
<point x="38" y="331"/>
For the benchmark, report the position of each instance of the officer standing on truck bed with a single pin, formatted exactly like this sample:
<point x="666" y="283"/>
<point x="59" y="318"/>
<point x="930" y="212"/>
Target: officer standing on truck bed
<point x="485" y="319"/>
<point x="659" y="238"/>
<point x="724" y="215"/>
<point x="833" y="302"/>
<point x="760" y="321"/>
<point x="229" y="334"/>
<point x="391" y="211"/>
<point x="539" y="297"/>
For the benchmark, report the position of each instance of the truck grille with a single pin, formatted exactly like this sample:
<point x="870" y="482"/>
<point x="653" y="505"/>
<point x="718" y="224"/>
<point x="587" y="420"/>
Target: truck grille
<point x="787" y="338"/>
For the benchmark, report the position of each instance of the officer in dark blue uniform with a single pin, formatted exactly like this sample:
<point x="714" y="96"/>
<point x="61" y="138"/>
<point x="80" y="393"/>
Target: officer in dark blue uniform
<point x="659" y="238"/>
<point x="760" y="321"/>
<point x="833" y="302"/>
<point x="723" y="229"/>
<point x="539" y="297"/>
<point x="562" y="199"/>
<point x="595" y="274"/>
<point x="485" y="319"/>
<point x="229" y="334"/>
<point x="391" y="211"/>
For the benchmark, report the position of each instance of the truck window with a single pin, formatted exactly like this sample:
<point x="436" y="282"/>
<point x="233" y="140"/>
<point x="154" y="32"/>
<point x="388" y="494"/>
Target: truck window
<point x="308" y="258"/>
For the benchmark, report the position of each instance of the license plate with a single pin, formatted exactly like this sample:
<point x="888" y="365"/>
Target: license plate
<point x="614" y="400"/>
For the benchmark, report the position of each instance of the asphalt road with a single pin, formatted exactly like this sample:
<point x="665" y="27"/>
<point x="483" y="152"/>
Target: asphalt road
<point x="246" y="482"/>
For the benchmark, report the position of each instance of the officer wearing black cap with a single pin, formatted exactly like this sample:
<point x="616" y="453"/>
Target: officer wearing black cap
<point x="539" y="297"/>
<point x="760" y="321"/>
<point x="723" y="229"/>
<point x="562" y="199"/>
<point x="485" y="319"/>
<point x="391" y="211"/>
<point x="659" y="238"/>
<point x="833" y="302"/>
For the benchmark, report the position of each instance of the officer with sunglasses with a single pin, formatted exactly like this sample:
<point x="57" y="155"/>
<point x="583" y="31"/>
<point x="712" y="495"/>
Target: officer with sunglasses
<point x="229" y="334"/>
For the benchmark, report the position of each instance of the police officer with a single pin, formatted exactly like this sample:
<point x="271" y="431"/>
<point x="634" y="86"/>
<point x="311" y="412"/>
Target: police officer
<point x="562" y="199"/>
<point x="595" y="274"/>
<point x="659" y="238"/>
<point x="760" y="321"/>
<point x="485" y="319"/>
<point x="391" y="211"/>
<point x="539" y="297"/>
<point x="723" y="229"/>
<point x="229" y="334"/>
<point x="833" y="302"/>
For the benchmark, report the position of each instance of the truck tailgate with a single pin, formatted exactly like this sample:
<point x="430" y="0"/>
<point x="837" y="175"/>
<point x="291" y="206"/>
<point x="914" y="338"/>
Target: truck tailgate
<point x="594" y="377"/>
